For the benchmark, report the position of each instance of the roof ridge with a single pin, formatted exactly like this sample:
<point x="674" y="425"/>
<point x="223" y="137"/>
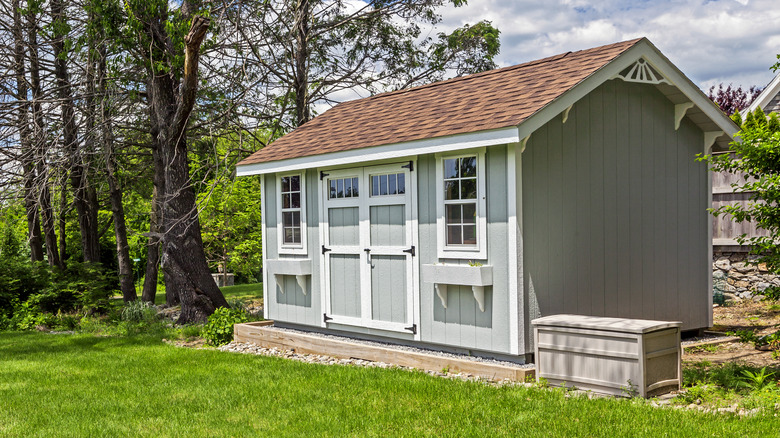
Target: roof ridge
<point x="473" y="76"/>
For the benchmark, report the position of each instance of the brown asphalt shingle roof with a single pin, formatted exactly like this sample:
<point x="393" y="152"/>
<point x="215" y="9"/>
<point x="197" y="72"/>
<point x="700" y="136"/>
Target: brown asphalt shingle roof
<point x="490" y="100"/>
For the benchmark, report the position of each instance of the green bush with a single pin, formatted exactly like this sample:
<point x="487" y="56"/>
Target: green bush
<point x="19" y="279"/>
<point x="771" y="293"/>
<point x="139" y="311"/>
<point x="27" y="316"/>
<point x="219" y="328"/>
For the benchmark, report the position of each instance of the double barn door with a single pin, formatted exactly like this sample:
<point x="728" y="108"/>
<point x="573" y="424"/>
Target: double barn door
<point x="368" y="247"/>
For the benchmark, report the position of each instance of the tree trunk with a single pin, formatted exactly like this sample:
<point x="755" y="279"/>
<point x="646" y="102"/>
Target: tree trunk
<point x="301" y="82"/>
<point x="41" y="167"/>
<point x="27" y="154"/>
<point x="183" y="259"/>
<point x="115" y="193"/>
<point x="84" y="196"/>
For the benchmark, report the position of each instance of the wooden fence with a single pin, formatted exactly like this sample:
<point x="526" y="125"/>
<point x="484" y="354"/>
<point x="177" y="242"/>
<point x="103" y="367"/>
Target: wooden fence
<point x="724" y="229"/>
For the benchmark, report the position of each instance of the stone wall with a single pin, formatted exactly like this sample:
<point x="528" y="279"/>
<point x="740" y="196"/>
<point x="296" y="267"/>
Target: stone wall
<point x="738" y="279"/>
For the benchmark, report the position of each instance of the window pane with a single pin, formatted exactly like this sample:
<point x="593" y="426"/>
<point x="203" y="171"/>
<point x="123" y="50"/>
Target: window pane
<point x="469" y="213"/>
<point x="339" y="188"/>
<point x="468" y="189"/>
<point x="451" y="190"/>
<point x="451" y="168"/>
<point x="401" y="184"/>
<point x="383" y="184"/>
<point x="296" y="235"/>
<point x="374" y="186"/>
<point x="286" y="201"/>
<point x="348" y="187"/>
<point x="287" y="219"/>
<point x="391" y="182"/>
<point x="296" y="218"/>
<point x="295" y="201"/>
<point x="286" y="184"/>
<point x="453" y="214"/>
<point x="295" y="183"/>
<point x="332" y="193"/>
<point x="288" y="235"/>
<point x="468" y="167"/>
<point x="470" y="234"/>
<point x="355" y="187"/>
<point x="453" y="235"/>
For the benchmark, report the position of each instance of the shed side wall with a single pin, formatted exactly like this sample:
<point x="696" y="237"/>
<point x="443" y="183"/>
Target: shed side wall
<point x="614" y="214"/>
<point x="293" y="306"/>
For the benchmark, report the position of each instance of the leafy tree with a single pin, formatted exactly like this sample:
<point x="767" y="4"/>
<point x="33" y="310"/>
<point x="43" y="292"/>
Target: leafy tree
<point x="730" y="99"/>
<point x="230" y="221"/>
<point x="304" y="52"/>
<point x="756" y="156"/>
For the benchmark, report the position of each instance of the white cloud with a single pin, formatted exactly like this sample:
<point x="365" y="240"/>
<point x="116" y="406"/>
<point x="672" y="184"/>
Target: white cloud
<point x="711" y="41"/>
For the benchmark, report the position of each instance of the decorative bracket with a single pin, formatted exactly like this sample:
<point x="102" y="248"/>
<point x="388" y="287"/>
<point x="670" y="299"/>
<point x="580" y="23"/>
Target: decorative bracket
<point x="679" y="112"/>
<point x="479" y="295"/>
<point x="301" y="279"/>
<point x="709" y="140"/>
<point x="441" y="291"/>
<point x="566" y="113"/>
<point x="524" y="143"/>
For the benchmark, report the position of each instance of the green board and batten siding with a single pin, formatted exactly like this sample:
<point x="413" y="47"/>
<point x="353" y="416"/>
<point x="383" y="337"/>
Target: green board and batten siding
<point x="293" y="306"/>
<point x="614" y="214"/>
<point x="462" y="324"/>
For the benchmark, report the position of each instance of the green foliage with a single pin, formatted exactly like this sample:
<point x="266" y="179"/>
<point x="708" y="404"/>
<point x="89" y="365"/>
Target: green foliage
<point x="19" y="279"/>
<point x="745" y="336"/>
<point x="757" y="380"/>
<point x="139" y="311"/>
<point x="231" y="227"/>
<point x="757" y="157"/>
<point x="219" y="328"/>
<point x="771" y="293"/>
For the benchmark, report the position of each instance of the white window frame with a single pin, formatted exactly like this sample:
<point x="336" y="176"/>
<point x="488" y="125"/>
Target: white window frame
<point x="479" y="251"/>
<point x="291" y="248"/>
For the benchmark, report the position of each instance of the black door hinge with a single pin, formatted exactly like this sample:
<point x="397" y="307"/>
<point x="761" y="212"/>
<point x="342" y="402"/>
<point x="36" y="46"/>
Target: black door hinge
<point x="323" y="175"/>
<point x="412" y="329"/>
<point x="325" y="317"/>
<point x="410" y="250"/>
<point x="324" y="250"/>
<point x="409" y="166"/>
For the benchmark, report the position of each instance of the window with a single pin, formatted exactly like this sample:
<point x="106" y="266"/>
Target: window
<point x="461" y="206"/>
<point x="343" y="188"/>
<point x="386" y="185"/>
<point x="292" y="214"/>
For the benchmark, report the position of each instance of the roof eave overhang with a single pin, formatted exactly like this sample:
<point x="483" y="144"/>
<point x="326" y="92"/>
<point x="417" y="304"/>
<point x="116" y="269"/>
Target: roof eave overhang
<point x="766" y="95"/>
<point x="642" y="49"/>
<point x="389" y="151"/>
<point x="720" y="130"/>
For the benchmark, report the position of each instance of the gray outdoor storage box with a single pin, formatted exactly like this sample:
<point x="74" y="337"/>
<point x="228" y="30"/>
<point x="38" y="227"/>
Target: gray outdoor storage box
<point x="609" y="355"/>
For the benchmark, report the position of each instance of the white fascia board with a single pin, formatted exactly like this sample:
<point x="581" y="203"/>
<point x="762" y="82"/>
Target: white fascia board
<point x="396" y="150"/>
<point x="765" y="96"/>
<point x="659" y="62"/>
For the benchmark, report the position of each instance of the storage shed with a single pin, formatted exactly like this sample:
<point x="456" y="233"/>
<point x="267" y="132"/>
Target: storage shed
<point x="450" y="215"/>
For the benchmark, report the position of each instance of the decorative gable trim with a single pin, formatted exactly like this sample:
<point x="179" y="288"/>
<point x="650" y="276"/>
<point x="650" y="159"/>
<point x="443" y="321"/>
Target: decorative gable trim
<point x="641" y="72"/>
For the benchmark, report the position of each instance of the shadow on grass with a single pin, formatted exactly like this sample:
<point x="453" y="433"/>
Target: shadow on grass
<point x="31" y="343"/>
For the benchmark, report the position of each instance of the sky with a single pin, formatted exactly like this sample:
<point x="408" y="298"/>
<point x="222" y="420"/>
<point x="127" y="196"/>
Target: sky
<point x="711" y="41"/>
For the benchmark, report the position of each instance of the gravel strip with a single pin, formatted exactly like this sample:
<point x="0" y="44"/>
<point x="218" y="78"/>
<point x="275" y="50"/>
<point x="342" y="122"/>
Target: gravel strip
<point x="405" y="348"/>
<point x="245" y="348"/>
<point x="705" y="338"/>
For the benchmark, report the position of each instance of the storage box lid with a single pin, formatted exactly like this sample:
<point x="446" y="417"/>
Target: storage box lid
<point x="624" y="325"/>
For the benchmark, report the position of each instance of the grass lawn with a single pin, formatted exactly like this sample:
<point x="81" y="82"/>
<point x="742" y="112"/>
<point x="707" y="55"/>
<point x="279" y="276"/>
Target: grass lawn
<point x="244" y="291"/>
<point x="83" y="385"/>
